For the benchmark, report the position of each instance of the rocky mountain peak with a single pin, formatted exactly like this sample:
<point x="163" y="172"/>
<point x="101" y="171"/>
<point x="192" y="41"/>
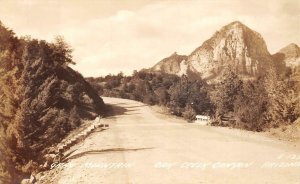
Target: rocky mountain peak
<point x="174" y="54"/>
<point x="235" y="45"/>
<point x="234" y="25"/>
<point x="292" y="50"/>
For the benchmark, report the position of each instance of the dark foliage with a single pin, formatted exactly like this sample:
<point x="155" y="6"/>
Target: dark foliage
<point x="182" y="96"/>
<point x="257" y="105"/>
<point x="42" y="99"/>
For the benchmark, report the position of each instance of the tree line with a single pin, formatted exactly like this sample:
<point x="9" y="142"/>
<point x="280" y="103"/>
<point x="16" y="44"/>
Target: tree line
<point x="182" y="96"/>
<point x="258" y="104"/>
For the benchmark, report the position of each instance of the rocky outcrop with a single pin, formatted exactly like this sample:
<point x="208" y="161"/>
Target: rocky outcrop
<point x="235" y="46"/>
<point x="290" y="55"/>
<point x="174" y="64"/>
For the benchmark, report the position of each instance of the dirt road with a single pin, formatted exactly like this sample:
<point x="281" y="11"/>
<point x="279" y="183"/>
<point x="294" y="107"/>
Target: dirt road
<point x="145" y="147"/>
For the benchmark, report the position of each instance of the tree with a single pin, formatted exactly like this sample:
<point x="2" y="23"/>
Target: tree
<point x="11" y="135"/>
<point x="282" y="100"/>
<point x="189" y="113"/>
<point x="225" y="94"/>
<point x="250" y="106"/>
<point x="162" y="95"/>
<point x="179" y="93"/>
<point x="40" y="97"/>
<point x="199" y="97"/>
<point x="62" y="53"/>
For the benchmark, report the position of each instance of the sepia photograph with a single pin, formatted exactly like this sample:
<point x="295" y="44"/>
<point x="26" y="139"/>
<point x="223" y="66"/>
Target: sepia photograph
<point x="149" y="92"/>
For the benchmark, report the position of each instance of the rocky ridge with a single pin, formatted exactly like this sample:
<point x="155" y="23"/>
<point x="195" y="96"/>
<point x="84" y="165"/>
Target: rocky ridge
<point x="234" y="46"/>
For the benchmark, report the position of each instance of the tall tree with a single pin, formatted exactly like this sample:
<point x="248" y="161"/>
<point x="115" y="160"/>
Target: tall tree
<point x="226" y="92"/>
<point x="251" y="105"/>
<point x="282" y="100"/>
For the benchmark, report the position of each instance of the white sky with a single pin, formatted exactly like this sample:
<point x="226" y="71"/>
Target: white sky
<point x="109" y="36"/>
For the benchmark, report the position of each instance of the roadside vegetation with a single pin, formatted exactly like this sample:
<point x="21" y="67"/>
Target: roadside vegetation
<point x="42" y="99"/>
<point x="267" y="102"/>
<point x="182" y="96"/>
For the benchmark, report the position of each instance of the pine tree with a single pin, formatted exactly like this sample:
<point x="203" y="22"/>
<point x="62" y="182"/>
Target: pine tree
<point x="282" y="100"/>
<point x="225" y="94"/>
<point x="250" y="106"/>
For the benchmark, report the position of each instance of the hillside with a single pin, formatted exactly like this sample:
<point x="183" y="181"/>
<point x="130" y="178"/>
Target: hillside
<point x="42" y="99"/>
<point x="174" y="64"/>
<point x="234" y="46"/>
<point x="288" y="60"/>
<point x="291" y="55"/>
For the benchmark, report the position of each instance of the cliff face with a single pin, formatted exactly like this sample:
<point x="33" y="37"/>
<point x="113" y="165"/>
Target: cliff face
<point x="174" y="64"/>
<point x="235" y="46"/>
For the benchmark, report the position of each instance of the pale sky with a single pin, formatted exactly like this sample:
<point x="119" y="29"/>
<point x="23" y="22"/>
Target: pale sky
<point x="109" y="36"/>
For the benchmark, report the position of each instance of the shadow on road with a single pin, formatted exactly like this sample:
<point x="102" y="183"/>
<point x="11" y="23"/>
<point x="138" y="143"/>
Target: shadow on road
<point x="116" y="109"/>
<point x="102" y="152"/>
<point x="136" y="106"/>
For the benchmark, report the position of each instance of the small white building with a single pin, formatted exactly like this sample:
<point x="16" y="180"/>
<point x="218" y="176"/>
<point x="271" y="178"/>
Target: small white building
<point x="201" y="119"/>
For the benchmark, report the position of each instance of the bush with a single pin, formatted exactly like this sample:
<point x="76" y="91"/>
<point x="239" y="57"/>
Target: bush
<point x="189" y="114"/>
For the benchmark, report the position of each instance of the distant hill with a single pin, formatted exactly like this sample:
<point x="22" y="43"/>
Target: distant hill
<point x="291" y="55"/>
<point x="234" y="46"/>
<point x="42" y="99"/>
<point x="174" y="64"/>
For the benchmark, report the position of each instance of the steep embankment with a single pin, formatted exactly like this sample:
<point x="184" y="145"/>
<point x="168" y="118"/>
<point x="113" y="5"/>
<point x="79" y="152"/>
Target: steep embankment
<point x="42" y="99"/>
